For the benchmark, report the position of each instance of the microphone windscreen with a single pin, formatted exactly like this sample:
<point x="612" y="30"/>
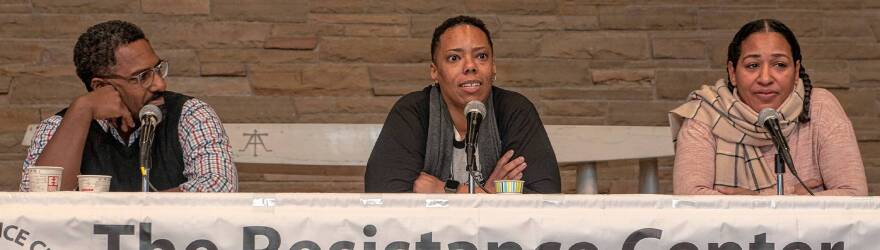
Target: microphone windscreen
<point x="151" y="109"/>
<point x="475" y="106"/>
<point x="767" y="114"/>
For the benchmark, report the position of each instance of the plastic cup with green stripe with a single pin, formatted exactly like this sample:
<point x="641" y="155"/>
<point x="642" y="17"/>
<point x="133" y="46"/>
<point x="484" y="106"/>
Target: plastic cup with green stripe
<point x="509" y="186"/>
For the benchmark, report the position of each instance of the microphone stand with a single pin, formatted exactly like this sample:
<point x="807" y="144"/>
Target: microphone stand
<point x="769" y="119"/>
<point x="146" y="145"/>
<point x="470" y="151"/>
<point x="780" y="170"/>
<point x="784" y="153"/>
<point x="471" y="182"/>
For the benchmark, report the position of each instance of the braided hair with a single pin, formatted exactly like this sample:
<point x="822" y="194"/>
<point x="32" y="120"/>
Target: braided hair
<point x="734" y="51"/>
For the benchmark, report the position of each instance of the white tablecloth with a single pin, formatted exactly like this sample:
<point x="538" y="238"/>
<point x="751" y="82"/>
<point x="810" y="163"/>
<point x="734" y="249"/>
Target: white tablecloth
<point x="70" y="220"/>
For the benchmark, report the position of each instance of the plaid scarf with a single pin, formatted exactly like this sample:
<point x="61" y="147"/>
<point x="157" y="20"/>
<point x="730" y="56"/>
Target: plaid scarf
<point x="738" y="161"/>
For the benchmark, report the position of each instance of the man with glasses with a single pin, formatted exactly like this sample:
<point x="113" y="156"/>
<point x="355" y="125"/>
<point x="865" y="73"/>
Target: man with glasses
<point x="98" y="133"/>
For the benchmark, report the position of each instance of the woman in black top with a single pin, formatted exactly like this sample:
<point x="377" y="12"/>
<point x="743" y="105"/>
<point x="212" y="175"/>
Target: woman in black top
<point x="420" y="146"/>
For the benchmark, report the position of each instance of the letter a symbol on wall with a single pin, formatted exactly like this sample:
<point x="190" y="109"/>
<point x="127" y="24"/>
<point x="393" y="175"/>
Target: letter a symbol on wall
<point x="256" y="139"/>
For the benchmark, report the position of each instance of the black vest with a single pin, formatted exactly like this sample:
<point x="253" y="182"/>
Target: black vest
<point x="104" y="155"/>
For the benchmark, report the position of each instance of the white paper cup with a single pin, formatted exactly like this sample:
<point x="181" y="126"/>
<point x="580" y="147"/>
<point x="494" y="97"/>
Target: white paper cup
<point x="44" y="178"/>
<point x="93" y="183"/>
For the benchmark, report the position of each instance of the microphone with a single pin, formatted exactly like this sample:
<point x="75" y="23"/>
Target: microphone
<point x="474" y="112"/>
<point x="150" y="116"/>
<point x="150" y="113"/>
<point x="769" y="119"/>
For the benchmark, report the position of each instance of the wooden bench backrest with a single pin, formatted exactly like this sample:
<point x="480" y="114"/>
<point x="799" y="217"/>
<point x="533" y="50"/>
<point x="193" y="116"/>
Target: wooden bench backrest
<point x="339" y="144"/>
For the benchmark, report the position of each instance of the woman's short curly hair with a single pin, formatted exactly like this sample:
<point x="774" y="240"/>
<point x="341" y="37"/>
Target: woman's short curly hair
<point x="455" y="21"/>
<point x="95" y="50"/>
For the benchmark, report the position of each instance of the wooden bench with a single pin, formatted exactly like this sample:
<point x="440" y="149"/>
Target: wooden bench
<point x="350" y="145"/>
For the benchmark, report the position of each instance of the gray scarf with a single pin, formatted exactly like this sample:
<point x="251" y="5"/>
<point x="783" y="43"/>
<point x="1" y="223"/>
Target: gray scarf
<point x="441" y="133"/>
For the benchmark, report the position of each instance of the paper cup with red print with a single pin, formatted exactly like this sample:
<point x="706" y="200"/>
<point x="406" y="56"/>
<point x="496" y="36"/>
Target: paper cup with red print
<point x="44" y="178"/>
<point x="93" y="183"/>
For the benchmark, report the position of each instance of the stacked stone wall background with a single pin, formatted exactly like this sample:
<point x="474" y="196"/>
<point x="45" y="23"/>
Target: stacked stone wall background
<point x="591" y="62"/>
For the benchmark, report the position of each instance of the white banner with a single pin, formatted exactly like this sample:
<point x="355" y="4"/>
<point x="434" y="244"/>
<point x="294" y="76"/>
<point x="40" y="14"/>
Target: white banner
<point x="70" y="220"/>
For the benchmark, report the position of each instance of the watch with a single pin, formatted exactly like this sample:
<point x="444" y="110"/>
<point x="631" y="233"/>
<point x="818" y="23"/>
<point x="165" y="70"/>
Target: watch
<point x="451" y="186"/>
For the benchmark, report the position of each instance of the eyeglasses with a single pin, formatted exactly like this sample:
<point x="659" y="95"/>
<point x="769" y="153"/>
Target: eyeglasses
<point x="145" y="78"/>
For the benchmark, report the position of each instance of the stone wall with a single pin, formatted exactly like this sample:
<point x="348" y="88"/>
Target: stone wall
<point x="581" y="62"/>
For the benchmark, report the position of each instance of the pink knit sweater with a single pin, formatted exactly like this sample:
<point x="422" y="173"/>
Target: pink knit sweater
<point x="824" y="149"/>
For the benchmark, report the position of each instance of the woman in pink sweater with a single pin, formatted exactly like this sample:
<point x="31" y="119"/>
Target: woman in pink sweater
<point x="721" y="149"/>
